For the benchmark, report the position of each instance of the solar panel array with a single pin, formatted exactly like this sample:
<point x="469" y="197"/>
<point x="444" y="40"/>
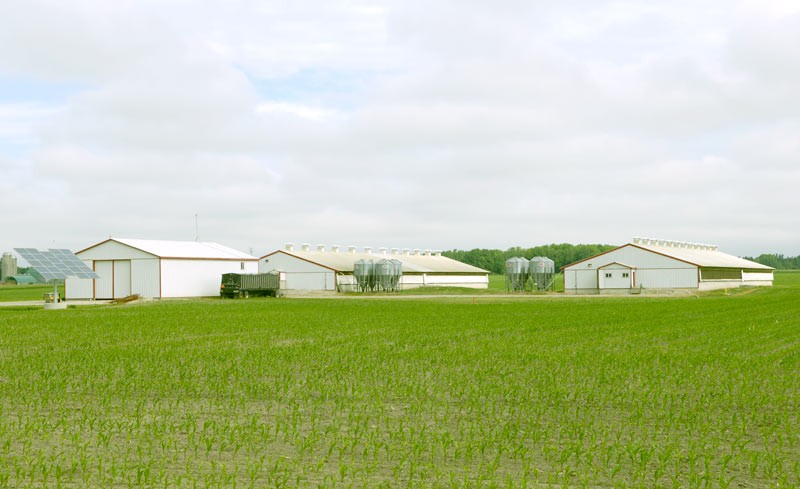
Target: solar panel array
<point x="56" y="264"/>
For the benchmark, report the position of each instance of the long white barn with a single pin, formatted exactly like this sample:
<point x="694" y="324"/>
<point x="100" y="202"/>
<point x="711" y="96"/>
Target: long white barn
<point x="157" y="269"/>
<point x="330" y="269"/>
<point x="662" y="264"/>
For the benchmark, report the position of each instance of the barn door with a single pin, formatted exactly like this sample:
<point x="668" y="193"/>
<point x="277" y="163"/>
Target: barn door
<point x="104" y="286"/>
<point x="122" y="278"/>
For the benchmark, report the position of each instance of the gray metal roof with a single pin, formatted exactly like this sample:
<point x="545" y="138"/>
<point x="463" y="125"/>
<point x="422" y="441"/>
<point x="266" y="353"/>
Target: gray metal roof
<point x="707" y="257"/>
<point x="703" y="256"/>
<point x="343" y="261"/>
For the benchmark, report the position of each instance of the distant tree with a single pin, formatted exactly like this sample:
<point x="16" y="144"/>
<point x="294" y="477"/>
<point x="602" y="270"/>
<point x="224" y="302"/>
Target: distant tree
<point x="494" y="260"/>
<point x="777" y="261"/>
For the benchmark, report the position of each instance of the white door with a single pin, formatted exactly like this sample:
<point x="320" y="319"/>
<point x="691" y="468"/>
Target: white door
<point x="122" y="278"/>
<point x="104" y="286"/>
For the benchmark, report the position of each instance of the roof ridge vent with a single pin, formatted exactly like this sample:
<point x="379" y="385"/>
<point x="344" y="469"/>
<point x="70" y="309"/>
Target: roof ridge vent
<point x="668" y="243"/>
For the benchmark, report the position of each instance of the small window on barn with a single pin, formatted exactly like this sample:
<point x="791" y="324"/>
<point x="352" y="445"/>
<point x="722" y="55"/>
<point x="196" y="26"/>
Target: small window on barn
<point x="608" y="275"/>
<point x="624" y="274"/>
<point x="241" y="265"/>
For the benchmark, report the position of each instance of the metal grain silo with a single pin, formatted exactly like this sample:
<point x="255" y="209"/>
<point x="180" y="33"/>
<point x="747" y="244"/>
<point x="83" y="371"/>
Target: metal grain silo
<point x="542" y="272"/>
<point x="516" y="274"/>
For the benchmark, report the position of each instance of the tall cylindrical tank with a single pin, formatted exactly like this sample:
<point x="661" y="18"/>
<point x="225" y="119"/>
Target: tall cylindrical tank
<point x="383" y="271"/>
<point x="362" y="271"/>
<point x="397" y="274"/>
<point x="8" y="265"/>
<point x="542" y="272"/>
<point x="516" y="273"/>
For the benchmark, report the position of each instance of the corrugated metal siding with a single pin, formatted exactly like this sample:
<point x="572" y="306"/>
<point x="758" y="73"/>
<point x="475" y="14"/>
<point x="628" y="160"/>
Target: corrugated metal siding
<point x="666" y="278"/>
<point x="122" y="278"/>
<point x="615" y="276"/>
<point x="112" y="250"/>
<point x="433" y="280"/>
<point x="145" y="278"/>
<point x="579" y="279"/>
<point x="104" y="286"/>
<point x="198" y="278"/>
<point x="300" y="274"/>
<point x="287" y="263"/>
<point x="650" y="270"/>
<point x="310" y="281"/>
<point x="75" y="288"/>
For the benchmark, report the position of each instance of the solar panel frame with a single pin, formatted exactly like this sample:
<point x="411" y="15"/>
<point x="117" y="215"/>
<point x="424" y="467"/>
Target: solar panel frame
<point x="56" y="263"/>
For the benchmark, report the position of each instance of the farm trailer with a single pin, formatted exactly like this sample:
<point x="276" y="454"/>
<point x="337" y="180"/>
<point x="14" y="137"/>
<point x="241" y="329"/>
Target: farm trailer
<point x="244" y="285"/>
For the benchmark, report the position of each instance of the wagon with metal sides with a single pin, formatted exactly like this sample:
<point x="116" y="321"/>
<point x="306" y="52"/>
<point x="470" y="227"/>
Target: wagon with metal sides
<point x="244" y="285"/>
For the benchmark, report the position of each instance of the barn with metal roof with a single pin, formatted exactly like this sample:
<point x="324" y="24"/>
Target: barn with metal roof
<point x="331" y="268"/>
<point x="646" y="264"/>
<point x="157" y="269"/>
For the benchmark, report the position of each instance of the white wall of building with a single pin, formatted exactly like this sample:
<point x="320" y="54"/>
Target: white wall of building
<point x="125" y="270"/>
<point x="415" y="280"/>
<point x="615" y="276"/>
<point x="652" y="271"/>
<point x="758" y="279"/>
<point x="122" y="270"/>
<point x="146" y="277"/>
<point x="79" y="288"/>
<point x="300" y="274"/>
<point x="198" y="278"/>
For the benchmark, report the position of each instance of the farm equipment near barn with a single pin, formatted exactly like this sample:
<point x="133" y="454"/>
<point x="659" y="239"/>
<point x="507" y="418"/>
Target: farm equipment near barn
<point x="243" y="285"/>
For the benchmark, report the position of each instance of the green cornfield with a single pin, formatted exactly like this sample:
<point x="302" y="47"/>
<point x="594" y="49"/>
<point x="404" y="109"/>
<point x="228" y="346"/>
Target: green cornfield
<point x="548" y="391"/>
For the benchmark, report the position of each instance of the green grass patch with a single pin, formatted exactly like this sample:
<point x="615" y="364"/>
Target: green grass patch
<point x="559" y="392"/>
<point x="15" y="293"/>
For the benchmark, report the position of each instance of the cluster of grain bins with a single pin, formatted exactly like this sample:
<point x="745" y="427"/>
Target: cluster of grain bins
<point x="536" y="274"/>
<point x="338" y="269"/>
<point x="656" y="264"/>
<point x="383" y="275"/>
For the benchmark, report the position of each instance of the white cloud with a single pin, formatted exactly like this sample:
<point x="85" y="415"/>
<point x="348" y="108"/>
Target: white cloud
<point x="411" y="124"/>
<point x="303" y="111"/>
<point x="19" y="122"/>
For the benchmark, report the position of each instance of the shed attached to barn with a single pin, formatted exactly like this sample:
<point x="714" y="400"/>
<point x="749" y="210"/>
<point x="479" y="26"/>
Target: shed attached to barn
<point x="330" y="269"/>
<point x="157" y="269"/>
<point x="662" y="264"/>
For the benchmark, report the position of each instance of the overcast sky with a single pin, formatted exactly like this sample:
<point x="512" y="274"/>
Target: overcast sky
<point x="400" y="123"/>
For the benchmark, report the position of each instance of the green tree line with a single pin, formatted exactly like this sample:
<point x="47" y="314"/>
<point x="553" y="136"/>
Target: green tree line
<point x="494" y="260"/>
<point x="778" y="262"/>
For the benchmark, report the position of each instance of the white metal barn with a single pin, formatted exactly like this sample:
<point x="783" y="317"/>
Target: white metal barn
<point x="662" y="264"/>
<point x="157" y="269"/>
<point x="332" y="269"/>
